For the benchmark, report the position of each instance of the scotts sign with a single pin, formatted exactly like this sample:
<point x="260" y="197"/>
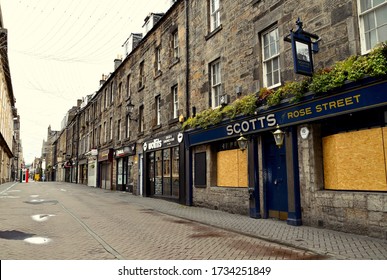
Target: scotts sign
<point x="163" y="142"/>
<point x="370" y="96"/>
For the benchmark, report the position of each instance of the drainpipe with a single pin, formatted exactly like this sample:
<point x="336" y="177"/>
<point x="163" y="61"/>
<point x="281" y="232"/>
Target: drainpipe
<point x="77" y="147"/>
<point x="187" y="152"/>
<point x="187" y="72"/>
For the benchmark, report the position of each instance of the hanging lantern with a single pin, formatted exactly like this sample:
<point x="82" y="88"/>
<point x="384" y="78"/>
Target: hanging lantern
<point x="279" y="136"/>
<point x="242" y="143"/>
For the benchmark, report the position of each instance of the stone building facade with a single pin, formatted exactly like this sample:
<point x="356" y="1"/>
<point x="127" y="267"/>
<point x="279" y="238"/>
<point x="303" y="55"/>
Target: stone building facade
<point x="202" y="56"/>
<point x="237" y="50"/>
<point x="7" y="109"/>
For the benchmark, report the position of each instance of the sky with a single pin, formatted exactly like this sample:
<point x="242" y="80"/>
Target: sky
<point x="58" y="51"/>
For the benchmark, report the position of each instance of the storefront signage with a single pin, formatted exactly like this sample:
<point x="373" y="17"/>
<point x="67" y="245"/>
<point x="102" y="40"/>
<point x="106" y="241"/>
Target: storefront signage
<point x="350" y="101"/>
<point x="252" y="124"/>
<point x="126" y="151"/>
<point x="163" y="142"/>
<point x="106" y="155"/>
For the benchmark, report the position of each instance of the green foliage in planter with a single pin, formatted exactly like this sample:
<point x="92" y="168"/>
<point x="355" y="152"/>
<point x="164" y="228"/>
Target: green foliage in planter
<point x="377" y="61"/>
<point x="204" y="119"/>
<point x="352" y="69"/>
<point x="243" y="106"/>
<point x="293" y="90"/>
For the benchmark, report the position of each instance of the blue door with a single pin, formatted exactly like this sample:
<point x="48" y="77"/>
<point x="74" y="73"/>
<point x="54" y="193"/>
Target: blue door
<point x="275" y="179"/>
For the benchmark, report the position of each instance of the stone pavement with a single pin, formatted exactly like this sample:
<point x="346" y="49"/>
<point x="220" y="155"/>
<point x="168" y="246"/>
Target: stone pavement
<point x="332" y="244"/>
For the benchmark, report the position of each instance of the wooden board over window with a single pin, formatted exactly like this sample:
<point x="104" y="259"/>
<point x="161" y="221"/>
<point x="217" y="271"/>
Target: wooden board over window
<point x="232" y="168"/>
<point x="356" y="160"/>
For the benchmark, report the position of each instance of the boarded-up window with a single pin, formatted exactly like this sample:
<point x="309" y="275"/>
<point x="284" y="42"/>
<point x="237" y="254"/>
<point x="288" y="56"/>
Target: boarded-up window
<point x="232" y="168"/>
<point x="356" y="160"/>
<point x="200" y="170"/>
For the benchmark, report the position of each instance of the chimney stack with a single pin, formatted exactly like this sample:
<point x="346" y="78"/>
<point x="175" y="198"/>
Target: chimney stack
<point x="103" y="80"/>
<point x="117" y="62"/>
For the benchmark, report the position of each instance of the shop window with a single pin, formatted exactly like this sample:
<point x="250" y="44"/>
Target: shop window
<point x="158" y="173"/>
<point x="175" y="172"/>
<point x="163" y="172"/>
<point x="350" y="163"/>
<point x="200" y="170"/>
<point x="373" y="23"/>
<point x="166" y="172"/>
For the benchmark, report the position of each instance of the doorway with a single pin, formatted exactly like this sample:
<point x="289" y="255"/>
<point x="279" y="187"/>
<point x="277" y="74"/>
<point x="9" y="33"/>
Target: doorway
<point x="275" y="179"/>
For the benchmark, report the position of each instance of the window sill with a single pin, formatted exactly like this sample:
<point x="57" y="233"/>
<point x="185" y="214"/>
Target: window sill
<point x="141" y="88"/>
<point x="173" y="121"/>
<point x="158" y="74"/>
<point x="175" y="61"/>
<point x="156" y="127"/>
<point x="213" y="32"/>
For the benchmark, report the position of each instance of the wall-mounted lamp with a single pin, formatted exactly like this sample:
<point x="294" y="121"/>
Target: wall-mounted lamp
<point x="242" y="143"/>
<point x="279" y="136"/>
<point x="130" y="108"/>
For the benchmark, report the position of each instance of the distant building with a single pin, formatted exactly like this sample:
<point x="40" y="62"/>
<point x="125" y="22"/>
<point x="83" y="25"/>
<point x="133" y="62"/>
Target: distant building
<point x="7" y="112"/>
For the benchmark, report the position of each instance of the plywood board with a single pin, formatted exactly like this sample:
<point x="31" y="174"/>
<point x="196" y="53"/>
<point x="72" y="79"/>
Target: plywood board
<point x="232" y="168"/>
<point x="355" y="161"/>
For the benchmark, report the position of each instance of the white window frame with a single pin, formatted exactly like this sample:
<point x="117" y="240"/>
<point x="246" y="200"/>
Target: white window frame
<point x="158" y="110"/>
<point x="127" y="129"/>
<point x="214" y="14"/>
<point x="175" y="98"/>
<point x="270" y="58"/>
<point x="141" y="75"/>
<point x="158" y="59"/>
<point x="111" y="128"/>
<point x="366" y="44"/>
<point x="216" y="83"/>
